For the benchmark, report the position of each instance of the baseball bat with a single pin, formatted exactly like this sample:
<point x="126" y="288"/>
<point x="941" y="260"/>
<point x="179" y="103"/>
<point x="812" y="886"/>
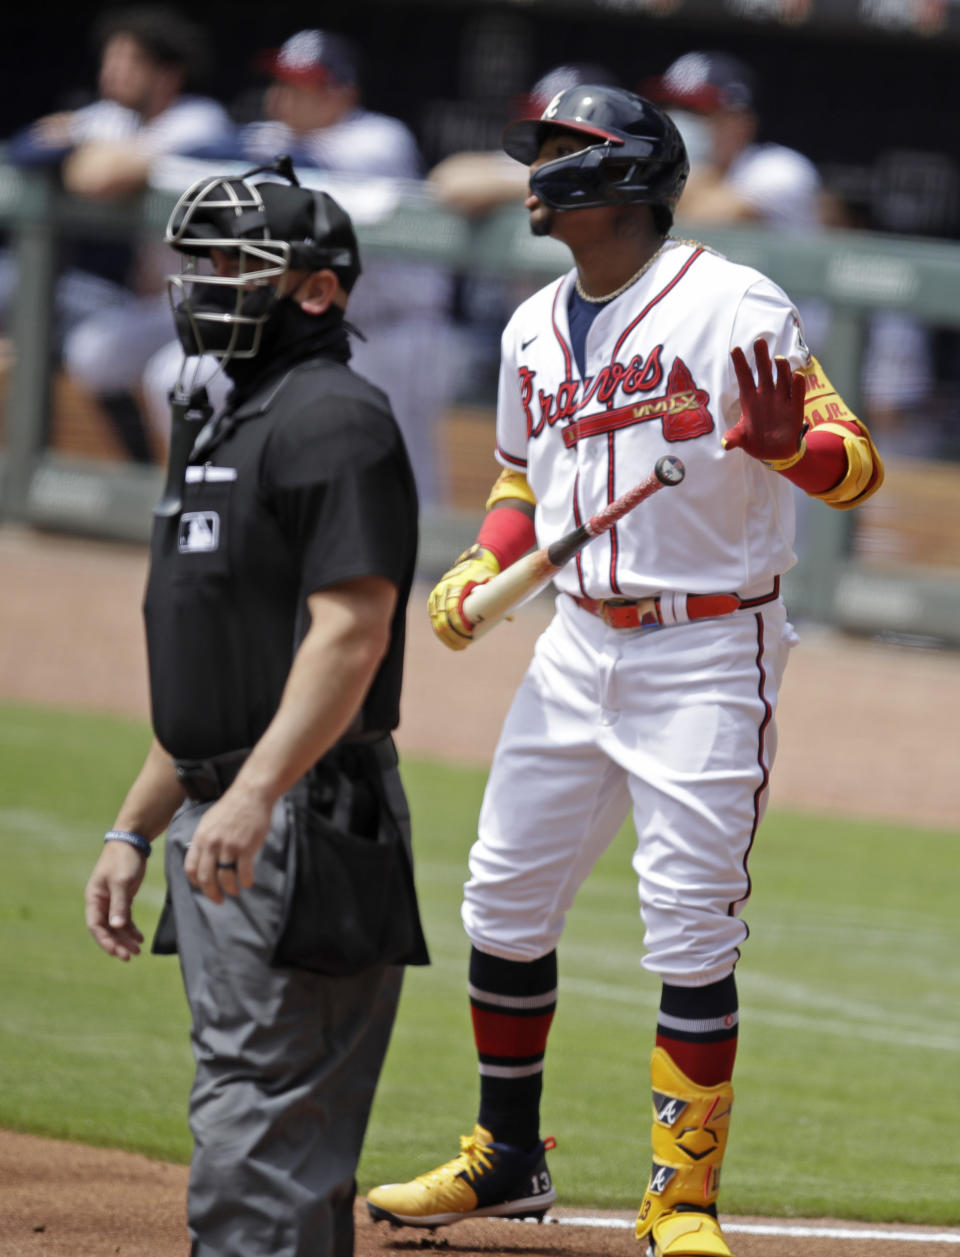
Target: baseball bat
<point x="486" y="605"/>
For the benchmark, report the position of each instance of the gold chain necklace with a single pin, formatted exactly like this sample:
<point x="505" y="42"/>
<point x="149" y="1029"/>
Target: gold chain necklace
<point x="596" y="301"/>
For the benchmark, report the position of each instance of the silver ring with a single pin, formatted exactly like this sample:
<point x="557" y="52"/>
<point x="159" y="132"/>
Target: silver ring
<point x="226" y="864"/>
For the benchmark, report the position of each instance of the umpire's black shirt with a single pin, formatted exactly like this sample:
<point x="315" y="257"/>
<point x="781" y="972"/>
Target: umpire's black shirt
<point x="307" y="485"/>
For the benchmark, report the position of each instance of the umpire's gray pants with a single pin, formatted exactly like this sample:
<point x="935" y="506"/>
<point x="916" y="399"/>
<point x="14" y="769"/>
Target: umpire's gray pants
<point x="287" y="1064"/>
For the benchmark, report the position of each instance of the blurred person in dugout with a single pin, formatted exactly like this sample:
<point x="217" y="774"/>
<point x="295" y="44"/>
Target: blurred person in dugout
<point x="111" y="313"/>
<point x="899" y="382"/>
<point x="313" y="111"/>
<point x="734" y="177"/>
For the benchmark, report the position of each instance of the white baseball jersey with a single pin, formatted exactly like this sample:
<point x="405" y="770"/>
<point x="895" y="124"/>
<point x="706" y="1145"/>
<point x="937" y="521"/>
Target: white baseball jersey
<point x="781" y="184"/>
<point x="675" y="723"/>
<point x="108" y="350"/>
<point x="189" y="121"/>
<point x="659" y="380"/>
<point x="362" y="143"/>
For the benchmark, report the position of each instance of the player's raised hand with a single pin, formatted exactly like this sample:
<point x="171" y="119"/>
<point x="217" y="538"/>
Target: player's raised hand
<point x="771" y="424"/>
<point x="474" y="567"/>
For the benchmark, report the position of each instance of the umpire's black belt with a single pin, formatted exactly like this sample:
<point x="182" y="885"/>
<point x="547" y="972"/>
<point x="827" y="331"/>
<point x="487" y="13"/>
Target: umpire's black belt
<point x="205" y="780"/>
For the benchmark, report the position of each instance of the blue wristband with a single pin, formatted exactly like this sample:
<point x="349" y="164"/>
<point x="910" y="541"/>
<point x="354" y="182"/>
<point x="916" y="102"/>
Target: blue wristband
<point x="135" y="840"/>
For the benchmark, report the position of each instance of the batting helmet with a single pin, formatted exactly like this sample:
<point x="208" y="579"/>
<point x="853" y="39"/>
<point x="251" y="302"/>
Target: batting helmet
<point x="632" y="154"/>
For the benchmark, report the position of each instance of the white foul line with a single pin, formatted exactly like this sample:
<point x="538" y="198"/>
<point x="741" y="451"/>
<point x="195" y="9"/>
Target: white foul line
<point x="785" y="1231"/>
<point x="843" y="1233"/>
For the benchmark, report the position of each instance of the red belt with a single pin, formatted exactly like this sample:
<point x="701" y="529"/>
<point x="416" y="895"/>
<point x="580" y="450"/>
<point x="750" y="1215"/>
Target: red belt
<point x="631" y="613"/>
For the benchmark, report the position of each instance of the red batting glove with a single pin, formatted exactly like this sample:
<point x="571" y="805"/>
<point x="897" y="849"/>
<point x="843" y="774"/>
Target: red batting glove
<point x="771" y="424"/>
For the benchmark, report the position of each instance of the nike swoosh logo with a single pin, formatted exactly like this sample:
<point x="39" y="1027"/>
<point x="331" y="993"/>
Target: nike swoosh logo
<point x="525" y="343"/>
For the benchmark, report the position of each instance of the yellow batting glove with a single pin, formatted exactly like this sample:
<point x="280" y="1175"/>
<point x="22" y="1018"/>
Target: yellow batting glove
<point x="474" y="567"/>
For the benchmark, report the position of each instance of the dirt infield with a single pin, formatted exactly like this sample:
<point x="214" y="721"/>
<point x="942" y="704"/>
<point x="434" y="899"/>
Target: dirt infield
<point x="70" y="636"/>
<point x="63" y="1200"/>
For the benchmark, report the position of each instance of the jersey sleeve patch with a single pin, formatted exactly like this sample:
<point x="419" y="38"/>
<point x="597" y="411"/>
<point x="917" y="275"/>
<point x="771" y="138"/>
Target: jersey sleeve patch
<point x="825" y="411"/>
<point x="822" y="403"/>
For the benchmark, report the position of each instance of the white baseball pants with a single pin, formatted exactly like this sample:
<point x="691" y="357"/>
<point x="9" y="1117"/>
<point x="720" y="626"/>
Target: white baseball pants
<point x="676" y="723"/>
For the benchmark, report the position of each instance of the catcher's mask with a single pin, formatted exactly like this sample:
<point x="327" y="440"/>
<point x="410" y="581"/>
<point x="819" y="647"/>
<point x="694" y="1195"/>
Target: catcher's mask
<point x="632" y="152"/>
<point x="260" y="231"/>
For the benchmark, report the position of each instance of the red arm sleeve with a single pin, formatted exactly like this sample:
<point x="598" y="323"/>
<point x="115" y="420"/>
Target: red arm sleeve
<point x="824" y="465"/>
<point x="507" y="531"/>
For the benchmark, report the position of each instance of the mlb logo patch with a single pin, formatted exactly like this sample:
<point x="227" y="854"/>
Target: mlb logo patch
<point x="199" y="532"/>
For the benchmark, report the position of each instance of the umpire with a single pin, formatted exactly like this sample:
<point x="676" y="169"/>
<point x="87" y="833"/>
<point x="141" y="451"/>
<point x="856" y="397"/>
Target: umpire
<point x="281" y="561"/>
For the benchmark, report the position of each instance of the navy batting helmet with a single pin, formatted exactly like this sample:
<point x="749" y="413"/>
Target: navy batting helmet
<point x="632" y="154"/>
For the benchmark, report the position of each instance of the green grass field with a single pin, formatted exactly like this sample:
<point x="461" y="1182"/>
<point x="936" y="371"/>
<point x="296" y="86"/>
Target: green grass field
<point x="847" y="1079"/>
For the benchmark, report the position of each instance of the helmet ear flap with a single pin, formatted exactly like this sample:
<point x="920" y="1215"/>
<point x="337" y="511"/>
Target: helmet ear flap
<point x="572" y="182"/>
<point x="619" y="170"/>
<point x="593" y="178"/>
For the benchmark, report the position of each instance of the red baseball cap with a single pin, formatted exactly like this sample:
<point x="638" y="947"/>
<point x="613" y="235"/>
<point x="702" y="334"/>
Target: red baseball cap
<point x="572" y="74"/>
<point x="313" y="58"/>
<point x="703" y="82"/>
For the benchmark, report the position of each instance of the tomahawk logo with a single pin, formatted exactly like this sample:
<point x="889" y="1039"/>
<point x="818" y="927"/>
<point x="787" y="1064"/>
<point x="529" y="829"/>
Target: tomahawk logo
<point x="199" y="532"/>
<point x="551" y="109"/>
<point x="668" y="1109"/>
<point x="660" y="1176"/>
<point x="670" y="1112"/>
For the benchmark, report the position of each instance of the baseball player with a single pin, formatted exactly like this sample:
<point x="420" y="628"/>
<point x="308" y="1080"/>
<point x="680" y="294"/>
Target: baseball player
<point x="655" y="686"/>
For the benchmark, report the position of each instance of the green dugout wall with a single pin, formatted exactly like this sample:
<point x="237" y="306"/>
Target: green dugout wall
<point x="910" y="590"/>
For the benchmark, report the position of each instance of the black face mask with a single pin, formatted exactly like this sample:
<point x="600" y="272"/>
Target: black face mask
<point x="289" y="335"/>
<point x="218" y="336"/>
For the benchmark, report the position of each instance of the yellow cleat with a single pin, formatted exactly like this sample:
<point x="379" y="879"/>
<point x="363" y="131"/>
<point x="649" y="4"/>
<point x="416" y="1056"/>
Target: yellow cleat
<point x="487" y="1180"/>
<point x="687" y="1234"/>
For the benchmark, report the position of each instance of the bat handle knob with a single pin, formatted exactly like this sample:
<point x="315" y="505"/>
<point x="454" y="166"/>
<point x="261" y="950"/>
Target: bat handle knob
<point x="669" y="469"/>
